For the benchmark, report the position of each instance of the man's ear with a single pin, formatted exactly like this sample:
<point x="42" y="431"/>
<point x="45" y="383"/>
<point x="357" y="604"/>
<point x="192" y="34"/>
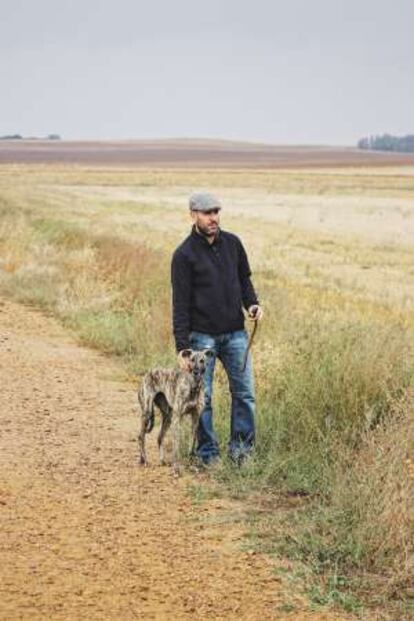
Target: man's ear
<point x="185" y="353"/>
<point x="209" y="352"/>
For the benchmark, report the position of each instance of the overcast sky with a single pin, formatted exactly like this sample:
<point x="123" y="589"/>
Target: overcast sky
<point x="297" y="71"/>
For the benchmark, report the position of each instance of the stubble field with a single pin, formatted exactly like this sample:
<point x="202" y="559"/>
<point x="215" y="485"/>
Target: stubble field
<point x="332" y="254"/>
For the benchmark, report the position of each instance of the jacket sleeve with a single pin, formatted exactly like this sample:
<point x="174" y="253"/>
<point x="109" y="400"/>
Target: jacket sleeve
<point x="249" y="296"/>
<point x="181" y="300"/>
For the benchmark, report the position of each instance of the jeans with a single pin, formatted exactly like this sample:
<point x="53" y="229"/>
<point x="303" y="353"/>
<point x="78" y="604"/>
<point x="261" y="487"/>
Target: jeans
<point x="230" y="349"/>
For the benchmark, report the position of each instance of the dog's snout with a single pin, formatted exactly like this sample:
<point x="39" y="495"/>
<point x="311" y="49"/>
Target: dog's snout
<point x="199" y="370"/>
<point x="199" y="366"/>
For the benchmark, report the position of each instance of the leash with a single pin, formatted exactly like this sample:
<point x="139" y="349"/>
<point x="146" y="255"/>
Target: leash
<point x="249" y="345"/>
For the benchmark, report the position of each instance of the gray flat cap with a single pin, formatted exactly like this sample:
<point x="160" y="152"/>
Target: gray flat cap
<point x="203" y="201"/>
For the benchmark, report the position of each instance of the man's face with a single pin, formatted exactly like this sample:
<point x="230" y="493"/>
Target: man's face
<point x="207" y="222"/>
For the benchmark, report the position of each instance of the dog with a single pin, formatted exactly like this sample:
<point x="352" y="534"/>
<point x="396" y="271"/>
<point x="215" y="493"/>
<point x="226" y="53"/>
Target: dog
<point x="176" y="393"/>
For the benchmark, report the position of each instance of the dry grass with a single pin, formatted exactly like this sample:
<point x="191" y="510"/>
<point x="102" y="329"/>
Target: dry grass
<point x="379" y="489"/>
<point x="333" y="359"/>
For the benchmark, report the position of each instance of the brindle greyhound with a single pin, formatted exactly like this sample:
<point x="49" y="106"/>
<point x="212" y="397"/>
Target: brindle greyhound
<point x="175" y="392"/>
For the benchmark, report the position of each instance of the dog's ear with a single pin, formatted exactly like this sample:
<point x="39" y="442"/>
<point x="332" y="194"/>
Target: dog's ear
<point x="209" y="352"/>
<point x="185" y="353"/>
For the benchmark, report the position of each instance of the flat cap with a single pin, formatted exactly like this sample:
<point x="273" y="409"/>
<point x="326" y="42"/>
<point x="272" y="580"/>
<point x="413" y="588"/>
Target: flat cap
<point x="204" y="201"/>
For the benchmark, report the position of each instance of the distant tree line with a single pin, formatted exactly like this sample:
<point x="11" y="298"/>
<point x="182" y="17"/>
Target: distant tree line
<point x="387" y="142"/>
<point x="20" y="137"/>
<point x="11" y="137"/>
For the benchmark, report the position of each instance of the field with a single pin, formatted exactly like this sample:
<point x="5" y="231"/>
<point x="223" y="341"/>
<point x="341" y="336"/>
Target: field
<point x="201" y="153"/>
<point x="332" y="254"/>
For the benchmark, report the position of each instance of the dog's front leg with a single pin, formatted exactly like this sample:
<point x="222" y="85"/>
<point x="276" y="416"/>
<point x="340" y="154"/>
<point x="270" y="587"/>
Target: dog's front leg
<point x="175" y="443"/>
<point x="195" y="417"/>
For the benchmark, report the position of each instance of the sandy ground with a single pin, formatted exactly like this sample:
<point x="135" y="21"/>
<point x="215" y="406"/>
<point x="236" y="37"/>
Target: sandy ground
<point x="84" y="532"/>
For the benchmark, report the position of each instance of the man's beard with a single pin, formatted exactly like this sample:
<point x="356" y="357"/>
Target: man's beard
<point x="205" y="232"/>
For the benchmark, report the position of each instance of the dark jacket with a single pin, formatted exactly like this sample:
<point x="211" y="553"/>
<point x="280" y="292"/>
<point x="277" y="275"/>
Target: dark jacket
<point x="210" y="283"/>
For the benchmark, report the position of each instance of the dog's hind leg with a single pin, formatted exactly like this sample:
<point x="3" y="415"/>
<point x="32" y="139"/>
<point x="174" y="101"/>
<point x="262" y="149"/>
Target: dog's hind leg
<point x="147" y="418"/>
<point x="166" y="411"/>
<point x="165" y="425"/>
<point x="141" y="443"/>
<point x="175" y="442"/>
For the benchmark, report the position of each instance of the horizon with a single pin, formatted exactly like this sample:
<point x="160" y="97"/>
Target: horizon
<point x="17" y="137"/>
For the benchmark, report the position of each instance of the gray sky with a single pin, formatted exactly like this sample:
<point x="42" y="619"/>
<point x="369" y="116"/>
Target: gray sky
<point x="303" y="71"/>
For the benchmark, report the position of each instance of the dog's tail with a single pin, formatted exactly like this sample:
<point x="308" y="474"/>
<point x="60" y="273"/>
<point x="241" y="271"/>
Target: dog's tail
<point x="149" y="423"/>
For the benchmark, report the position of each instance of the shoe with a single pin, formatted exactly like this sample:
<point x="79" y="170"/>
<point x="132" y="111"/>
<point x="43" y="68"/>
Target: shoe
<point x="240" y="458"/>
<point x="210" y="462"/>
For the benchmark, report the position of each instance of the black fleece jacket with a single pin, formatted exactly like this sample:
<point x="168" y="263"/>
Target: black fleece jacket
<point x="210" y="284"/>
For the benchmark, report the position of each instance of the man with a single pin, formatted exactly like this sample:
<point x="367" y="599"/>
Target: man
<point x="211" y="285"/>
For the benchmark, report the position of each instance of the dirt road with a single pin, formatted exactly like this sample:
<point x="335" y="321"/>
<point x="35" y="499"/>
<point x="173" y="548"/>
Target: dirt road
<point x="87" y="534"/>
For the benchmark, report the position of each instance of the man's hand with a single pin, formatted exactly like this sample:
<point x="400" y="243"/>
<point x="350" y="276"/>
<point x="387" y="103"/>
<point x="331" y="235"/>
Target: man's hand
<point x="183" y="358"/>
<point x="255" y="312"/>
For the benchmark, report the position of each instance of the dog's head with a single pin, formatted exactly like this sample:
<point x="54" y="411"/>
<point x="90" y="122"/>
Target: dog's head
<point x="197" y="360"/>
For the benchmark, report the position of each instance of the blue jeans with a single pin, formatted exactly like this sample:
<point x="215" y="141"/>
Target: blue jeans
<point x="230" y="349"/>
